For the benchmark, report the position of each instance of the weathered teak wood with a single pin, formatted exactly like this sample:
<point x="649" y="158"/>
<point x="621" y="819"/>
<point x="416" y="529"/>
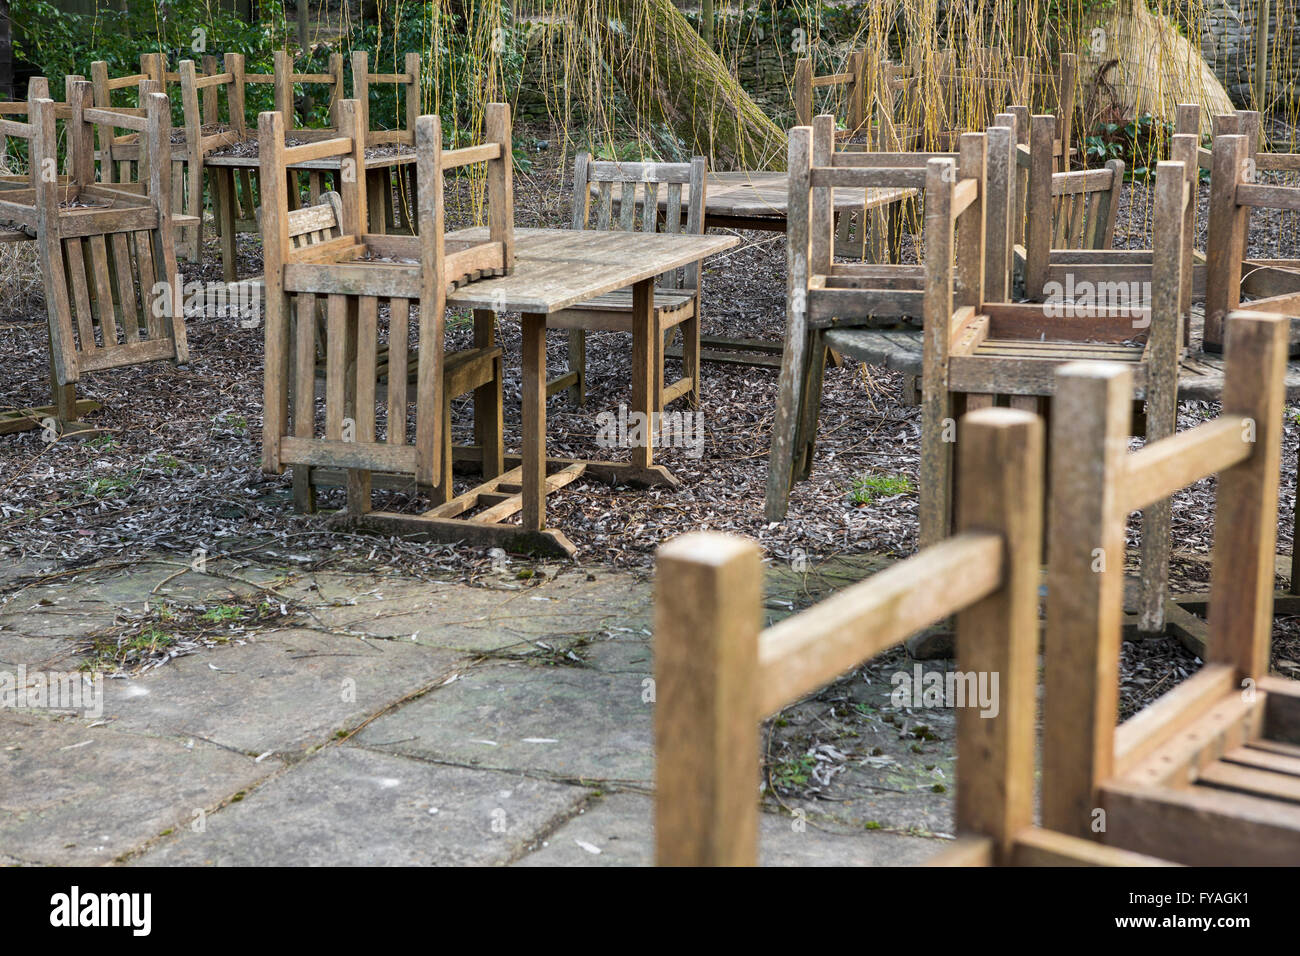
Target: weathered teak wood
<point x="824" y="295"/>
<point x="676" y="299"/>
<point x="106" y="258"/>
<point x="1190" y="779"/>
<point x="390" y="178"/>
<point x="1015" y="350"/>
<point x="718" y="673"/>
<point x="1234" y="191"/>
<point x="316" y="263"/>
<point x="852" y="79"/>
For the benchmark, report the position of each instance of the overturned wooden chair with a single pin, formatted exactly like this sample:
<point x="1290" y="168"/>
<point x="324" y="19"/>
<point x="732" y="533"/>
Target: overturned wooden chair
<point x="1207" y="774"/>
<point x="677" y="293"/>
<point x="107" y="257"/>
<point x="719" y="673"/>
<point x="827" y="301"/>
<point x="1009" y="352"/>
<point x="1235" y="190"/>
<point x="321" y="259"/>
<point x="390" y="187"/>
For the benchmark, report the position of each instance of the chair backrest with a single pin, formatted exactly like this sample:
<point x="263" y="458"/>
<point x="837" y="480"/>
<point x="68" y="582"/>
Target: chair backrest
<point x="853" y="81"/>
<point x="642" y="188"/>
<point x="1096" y="482"/>
<point x="822" y="291"/>
<point x="407" y="84"/>
<point x="718" y="673"/>
<point x="1083" y="203"/>
<point x="106" y="249"/>
<point x="1234" y="191"/>
<point x="148" y="80"/>
<point x="38" y="88"/>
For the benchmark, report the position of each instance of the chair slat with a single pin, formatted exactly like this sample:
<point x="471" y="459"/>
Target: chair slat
<point x="399" y="315"/>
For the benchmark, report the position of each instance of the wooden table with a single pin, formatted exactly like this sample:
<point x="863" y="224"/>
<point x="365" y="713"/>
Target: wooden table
<point x="750" y="199"/>
<point x="554" y="270"/>
<point x="379" y="177"/>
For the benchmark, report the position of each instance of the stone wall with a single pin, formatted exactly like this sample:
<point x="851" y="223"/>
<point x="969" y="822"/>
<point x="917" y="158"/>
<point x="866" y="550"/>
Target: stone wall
<point x="1228" y="45"/>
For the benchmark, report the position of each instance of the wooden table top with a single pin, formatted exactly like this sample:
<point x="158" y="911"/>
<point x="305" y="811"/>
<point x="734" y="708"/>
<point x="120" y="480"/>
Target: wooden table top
<point x="558" y="268"/>
<point x="765" y="195"/>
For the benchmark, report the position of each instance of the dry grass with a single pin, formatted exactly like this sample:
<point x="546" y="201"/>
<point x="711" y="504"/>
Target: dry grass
<point x="21" y="288"/>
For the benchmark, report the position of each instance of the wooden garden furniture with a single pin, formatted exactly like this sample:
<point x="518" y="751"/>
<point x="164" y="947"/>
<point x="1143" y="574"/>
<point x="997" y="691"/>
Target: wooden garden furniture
<point x="676" y="296"/>
<point x="1207" y="774"/>
<point x="852" y="79"/>
<point x="1068" y="221"/>
<point x="828" y="302"/>
<point x="719" y="672"/>
<point x="391" y="187"/>
<point x="106" y="249"/>
<point x="321" y="258"/>
<point x="1012" y="351"/>
<point x="1235" y="190"/>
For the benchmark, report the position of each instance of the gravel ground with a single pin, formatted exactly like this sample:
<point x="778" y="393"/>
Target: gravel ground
<point x="176" y="467"/>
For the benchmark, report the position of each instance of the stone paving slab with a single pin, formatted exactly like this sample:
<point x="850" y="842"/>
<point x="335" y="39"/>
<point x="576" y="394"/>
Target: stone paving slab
<point x="281" y="691"/>
<point x="76" y="795"/>
<point x="618" y="830"/>
<point x="348" y="806"/>
<point x="503" y="615"/>
<point x="562" y="722"/>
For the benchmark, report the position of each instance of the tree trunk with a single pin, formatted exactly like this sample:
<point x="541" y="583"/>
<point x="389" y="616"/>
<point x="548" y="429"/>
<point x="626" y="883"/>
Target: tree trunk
<point x="6" y="53"/>
<point x="672" y="76"/>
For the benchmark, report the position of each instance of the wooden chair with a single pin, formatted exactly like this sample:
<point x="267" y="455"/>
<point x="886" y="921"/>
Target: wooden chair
<point x="1048" y="260"/>
<point x="323" y="254"/>
<point x="826" y="300"/>
<point x="120" y="153"/>
<point x="1206" y="775"/>
<point x="1073" y="210"/>
<point x="853" y="80"/>
<point x="1234" y="192"/>
<point x="394" y="179"/>
<point x="677" y="295"/>
<point x="106" y="249"/>
<point x="1012" y="351"/>
<point x="719" y="673"/>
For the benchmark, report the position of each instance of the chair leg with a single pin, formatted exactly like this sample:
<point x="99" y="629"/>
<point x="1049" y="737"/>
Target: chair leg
<point x="578" y="363"/>
<point x="785" y="424"/>
<point x="691" y="357"/>
<point x="806" y="435"/>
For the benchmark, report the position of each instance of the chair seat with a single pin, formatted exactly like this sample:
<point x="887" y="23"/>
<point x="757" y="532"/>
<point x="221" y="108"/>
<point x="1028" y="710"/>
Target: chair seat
<point x="612" y="312"/>
<point x="620" y="300"/>
<point x="1062" y="350"/>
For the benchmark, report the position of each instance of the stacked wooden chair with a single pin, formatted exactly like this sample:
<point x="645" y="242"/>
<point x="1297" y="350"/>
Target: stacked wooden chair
<point x="392" y="194"/>
<point x="677" y="293"/>
<point x="1207" y="774"/>
<point x="852" y="80"/>
<point x="719" y="673"/>
<point x="1235" y="190"/>
<point x="826" y="301"/>
<point x="106" y="249"/>
<point x="320" y="259"/>
<point x="1068" y="218"/>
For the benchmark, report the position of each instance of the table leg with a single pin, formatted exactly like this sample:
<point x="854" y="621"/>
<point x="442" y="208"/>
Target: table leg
<point x="375" y="201"/>
<point x="225" y="183"/>
<point x="534" y="422"/>
<point x="647" y="386"/>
